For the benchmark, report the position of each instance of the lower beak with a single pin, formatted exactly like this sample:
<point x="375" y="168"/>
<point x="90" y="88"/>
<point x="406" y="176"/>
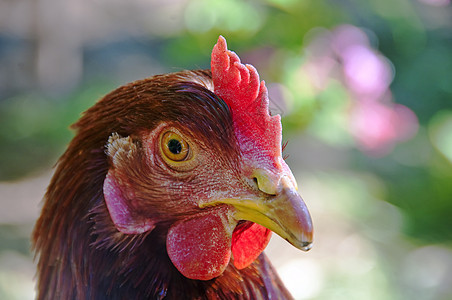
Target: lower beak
<point x="284" y="213"/>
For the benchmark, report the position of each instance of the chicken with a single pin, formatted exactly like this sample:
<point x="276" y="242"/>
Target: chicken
<point x="170" y="190"/>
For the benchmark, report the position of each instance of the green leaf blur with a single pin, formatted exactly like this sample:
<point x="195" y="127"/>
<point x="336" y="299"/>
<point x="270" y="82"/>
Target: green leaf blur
<point x="364" y="88"/>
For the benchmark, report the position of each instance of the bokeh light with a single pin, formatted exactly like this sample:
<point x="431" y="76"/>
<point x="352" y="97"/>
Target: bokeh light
<point x="365" y="94"/>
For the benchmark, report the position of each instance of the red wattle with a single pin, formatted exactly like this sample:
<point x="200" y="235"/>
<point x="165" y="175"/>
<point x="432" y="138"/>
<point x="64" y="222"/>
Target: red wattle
<point x="248" y="244"/>
<point x="200" y="248"/>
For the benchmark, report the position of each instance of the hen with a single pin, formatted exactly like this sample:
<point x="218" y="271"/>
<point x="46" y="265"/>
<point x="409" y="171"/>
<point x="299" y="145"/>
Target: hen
<point x="170" y="189"/>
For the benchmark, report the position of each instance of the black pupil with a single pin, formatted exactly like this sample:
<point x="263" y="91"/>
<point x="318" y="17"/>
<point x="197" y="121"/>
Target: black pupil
<point x="175" y="146"/>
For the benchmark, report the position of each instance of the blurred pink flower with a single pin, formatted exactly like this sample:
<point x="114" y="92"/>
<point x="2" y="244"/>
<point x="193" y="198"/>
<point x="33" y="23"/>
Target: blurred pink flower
<point x="345" y="53"/>
<point x="366" y="73"/>
<point x="438" y="3"/>
<point x="346" y="36"/>
<point x="377" y="127"/>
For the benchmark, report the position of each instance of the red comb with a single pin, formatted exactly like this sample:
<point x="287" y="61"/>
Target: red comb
<point x="238" y="85"/>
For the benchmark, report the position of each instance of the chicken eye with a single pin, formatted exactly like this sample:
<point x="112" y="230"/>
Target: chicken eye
<point x="175" y="147"/>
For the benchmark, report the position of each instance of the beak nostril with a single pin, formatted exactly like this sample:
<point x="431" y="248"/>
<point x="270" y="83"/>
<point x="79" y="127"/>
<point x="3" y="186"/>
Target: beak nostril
<point x="255" y="181"/>
<point x="266" y="181"/>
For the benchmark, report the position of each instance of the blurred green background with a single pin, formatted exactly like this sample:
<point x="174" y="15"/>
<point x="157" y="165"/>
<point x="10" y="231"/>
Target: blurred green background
<point x="364" y="87"/>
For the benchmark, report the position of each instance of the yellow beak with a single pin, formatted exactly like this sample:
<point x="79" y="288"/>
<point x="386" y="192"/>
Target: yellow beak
<point x="281" y="209"/>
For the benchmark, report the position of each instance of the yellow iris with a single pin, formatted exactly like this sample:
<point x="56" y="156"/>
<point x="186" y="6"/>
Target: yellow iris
<point x="174" y="147"/>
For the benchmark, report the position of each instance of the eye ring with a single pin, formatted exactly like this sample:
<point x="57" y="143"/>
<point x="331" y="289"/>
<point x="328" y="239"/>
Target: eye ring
<point x="175" y="147"/>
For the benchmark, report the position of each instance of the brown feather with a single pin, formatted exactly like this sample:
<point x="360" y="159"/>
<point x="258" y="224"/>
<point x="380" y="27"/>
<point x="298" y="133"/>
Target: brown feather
<point x="81" y="255"/>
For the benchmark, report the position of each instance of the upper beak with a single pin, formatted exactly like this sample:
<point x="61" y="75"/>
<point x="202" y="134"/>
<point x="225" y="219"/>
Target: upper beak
<point x="281" y="209"/>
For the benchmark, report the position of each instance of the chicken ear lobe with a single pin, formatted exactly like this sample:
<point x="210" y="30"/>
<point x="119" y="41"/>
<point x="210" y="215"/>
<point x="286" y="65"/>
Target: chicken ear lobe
<point x="118" y="201"/>
<point x="121" y="214"/>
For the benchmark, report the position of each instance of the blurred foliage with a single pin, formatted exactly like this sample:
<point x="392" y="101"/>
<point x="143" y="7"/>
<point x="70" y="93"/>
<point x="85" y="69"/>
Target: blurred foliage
<point x="411" y="38"/>
<point x="35" y="129"/>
